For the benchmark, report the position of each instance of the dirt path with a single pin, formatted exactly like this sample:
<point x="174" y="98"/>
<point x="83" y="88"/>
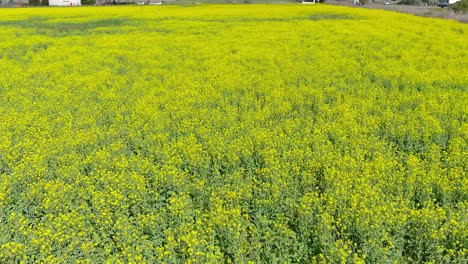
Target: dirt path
<point x="426" y="11"/>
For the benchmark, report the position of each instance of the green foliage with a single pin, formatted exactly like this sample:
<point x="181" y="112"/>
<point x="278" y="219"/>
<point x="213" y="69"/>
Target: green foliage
<point x="407" y="2"/>
<point x="461" y="6"/>
<point x="430" y="2"/>
<point x="88" y="2"/>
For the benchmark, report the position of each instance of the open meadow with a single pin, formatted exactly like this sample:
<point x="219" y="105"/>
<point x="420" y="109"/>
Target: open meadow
<point x="232" y="134"/>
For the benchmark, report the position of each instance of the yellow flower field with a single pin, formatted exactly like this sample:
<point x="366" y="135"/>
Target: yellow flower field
<point x="232" y="134"/>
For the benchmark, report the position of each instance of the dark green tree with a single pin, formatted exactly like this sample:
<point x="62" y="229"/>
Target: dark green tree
<point x="461" y="6"/>
<point x="88" y="2"/>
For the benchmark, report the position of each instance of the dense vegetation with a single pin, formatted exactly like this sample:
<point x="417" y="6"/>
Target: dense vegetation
<point x="207" y="134"/>
<point x="461" y="6"/>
